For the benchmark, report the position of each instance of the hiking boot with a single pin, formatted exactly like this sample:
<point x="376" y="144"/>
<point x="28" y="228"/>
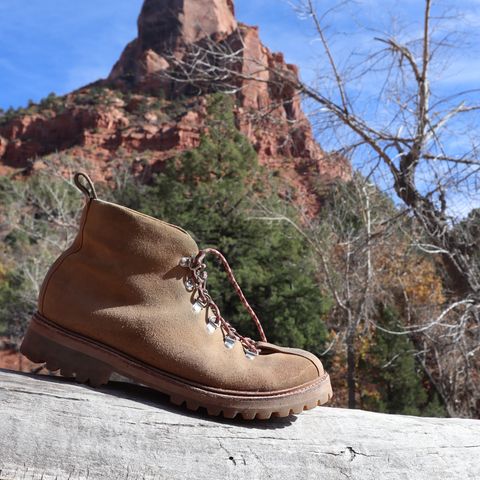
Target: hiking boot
<point x="129" y="296"/>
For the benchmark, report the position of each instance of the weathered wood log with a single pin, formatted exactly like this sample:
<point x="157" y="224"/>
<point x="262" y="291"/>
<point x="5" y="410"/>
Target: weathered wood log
<point x="53" y="429"/>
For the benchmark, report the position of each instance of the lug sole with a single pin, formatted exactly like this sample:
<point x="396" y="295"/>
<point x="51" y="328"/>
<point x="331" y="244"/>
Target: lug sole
<point x="91" y="362"/>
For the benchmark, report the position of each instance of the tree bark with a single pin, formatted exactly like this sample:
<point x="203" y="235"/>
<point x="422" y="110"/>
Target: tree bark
<point x="53" y="429"/>
<point x="351" y="384"/>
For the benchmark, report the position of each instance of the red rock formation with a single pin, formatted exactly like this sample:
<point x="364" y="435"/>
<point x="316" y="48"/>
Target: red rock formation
<point x="169" y="26"/>
<point x="128" y="117"/>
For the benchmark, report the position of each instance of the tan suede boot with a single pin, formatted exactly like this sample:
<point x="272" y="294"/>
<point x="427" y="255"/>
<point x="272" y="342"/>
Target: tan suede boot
<point x="129" y="296"/>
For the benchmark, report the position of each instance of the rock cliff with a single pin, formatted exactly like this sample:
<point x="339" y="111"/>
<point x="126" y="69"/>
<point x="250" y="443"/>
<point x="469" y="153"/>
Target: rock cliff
<point x="142" y="111"/>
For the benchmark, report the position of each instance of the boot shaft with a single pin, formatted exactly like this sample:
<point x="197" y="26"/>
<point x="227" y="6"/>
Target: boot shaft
<point x="114" y="249"/>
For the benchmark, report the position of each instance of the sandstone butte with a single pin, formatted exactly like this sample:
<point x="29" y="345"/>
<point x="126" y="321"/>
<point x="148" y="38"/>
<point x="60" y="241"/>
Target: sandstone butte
<point x="123" y="118"/>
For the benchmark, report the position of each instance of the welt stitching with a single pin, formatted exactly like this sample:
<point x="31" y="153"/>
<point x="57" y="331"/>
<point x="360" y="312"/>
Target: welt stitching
<point x="211" y="391"/>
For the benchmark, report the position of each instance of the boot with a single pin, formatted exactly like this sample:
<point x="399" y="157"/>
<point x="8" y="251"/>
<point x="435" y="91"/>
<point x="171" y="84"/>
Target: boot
<point x="129" y="296"/>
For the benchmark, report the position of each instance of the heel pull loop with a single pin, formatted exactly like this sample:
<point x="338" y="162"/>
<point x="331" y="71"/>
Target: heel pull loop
<point x="85" y="185"/>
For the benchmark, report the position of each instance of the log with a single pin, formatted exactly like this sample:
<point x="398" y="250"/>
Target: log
<point x="52" y="428"/>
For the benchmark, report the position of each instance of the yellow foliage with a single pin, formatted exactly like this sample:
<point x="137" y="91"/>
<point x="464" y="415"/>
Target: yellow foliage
<point x="3" y="272"/>
<point x="415" y="275"/>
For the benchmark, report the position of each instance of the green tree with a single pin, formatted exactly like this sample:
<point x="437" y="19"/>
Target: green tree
<point x="211" y="192"/>
<point x="392" y="381"/>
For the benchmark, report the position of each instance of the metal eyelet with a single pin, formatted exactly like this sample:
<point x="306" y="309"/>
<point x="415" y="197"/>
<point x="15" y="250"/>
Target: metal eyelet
<point x="212" y="324"/>
<point x="230" y="341"/>
<point x="198" y="306"/>
<point x="250" y="354"/>
<point x="185" y="262"/>
<point x="189" y="284"/>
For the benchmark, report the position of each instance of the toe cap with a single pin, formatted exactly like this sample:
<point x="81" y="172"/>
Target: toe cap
<point x="294" y="367"/>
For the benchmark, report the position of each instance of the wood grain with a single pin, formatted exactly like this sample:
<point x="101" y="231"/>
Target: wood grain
<point x="54" y="429"/>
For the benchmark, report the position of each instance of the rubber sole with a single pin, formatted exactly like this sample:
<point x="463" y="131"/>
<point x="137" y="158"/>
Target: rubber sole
<point x="91" y="362"/>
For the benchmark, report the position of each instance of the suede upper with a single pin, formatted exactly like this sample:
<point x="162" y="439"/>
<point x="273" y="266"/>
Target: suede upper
<point x="120" y="283"/>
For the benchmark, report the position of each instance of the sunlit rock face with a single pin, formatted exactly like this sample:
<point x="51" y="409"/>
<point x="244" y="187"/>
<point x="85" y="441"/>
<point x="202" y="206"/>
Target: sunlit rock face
<point x="166" y="27"/>
<point x="132" y="117"/>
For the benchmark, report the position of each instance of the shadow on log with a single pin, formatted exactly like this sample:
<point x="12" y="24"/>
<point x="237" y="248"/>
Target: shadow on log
<point x="51" y="428"/>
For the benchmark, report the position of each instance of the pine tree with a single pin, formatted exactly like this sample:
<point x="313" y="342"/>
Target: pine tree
<point x="391" y="379"/>
<point x="209" y="192"/>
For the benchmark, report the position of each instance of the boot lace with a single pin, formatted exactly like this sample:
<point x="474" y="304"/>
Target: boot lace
<point x="197" y="280"/>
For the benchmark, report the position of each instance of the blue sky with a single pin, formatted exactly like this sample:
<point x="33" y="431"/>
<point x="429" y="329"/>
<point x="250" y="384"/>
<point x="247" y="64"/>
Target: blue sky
<point x="58" y="45"/>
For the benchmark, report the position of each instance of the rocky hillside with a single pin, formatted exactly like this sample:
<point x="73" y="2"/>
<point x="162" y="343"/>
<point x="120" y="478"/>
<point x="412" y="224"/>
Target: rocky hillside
<point x="153" y="104"/>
